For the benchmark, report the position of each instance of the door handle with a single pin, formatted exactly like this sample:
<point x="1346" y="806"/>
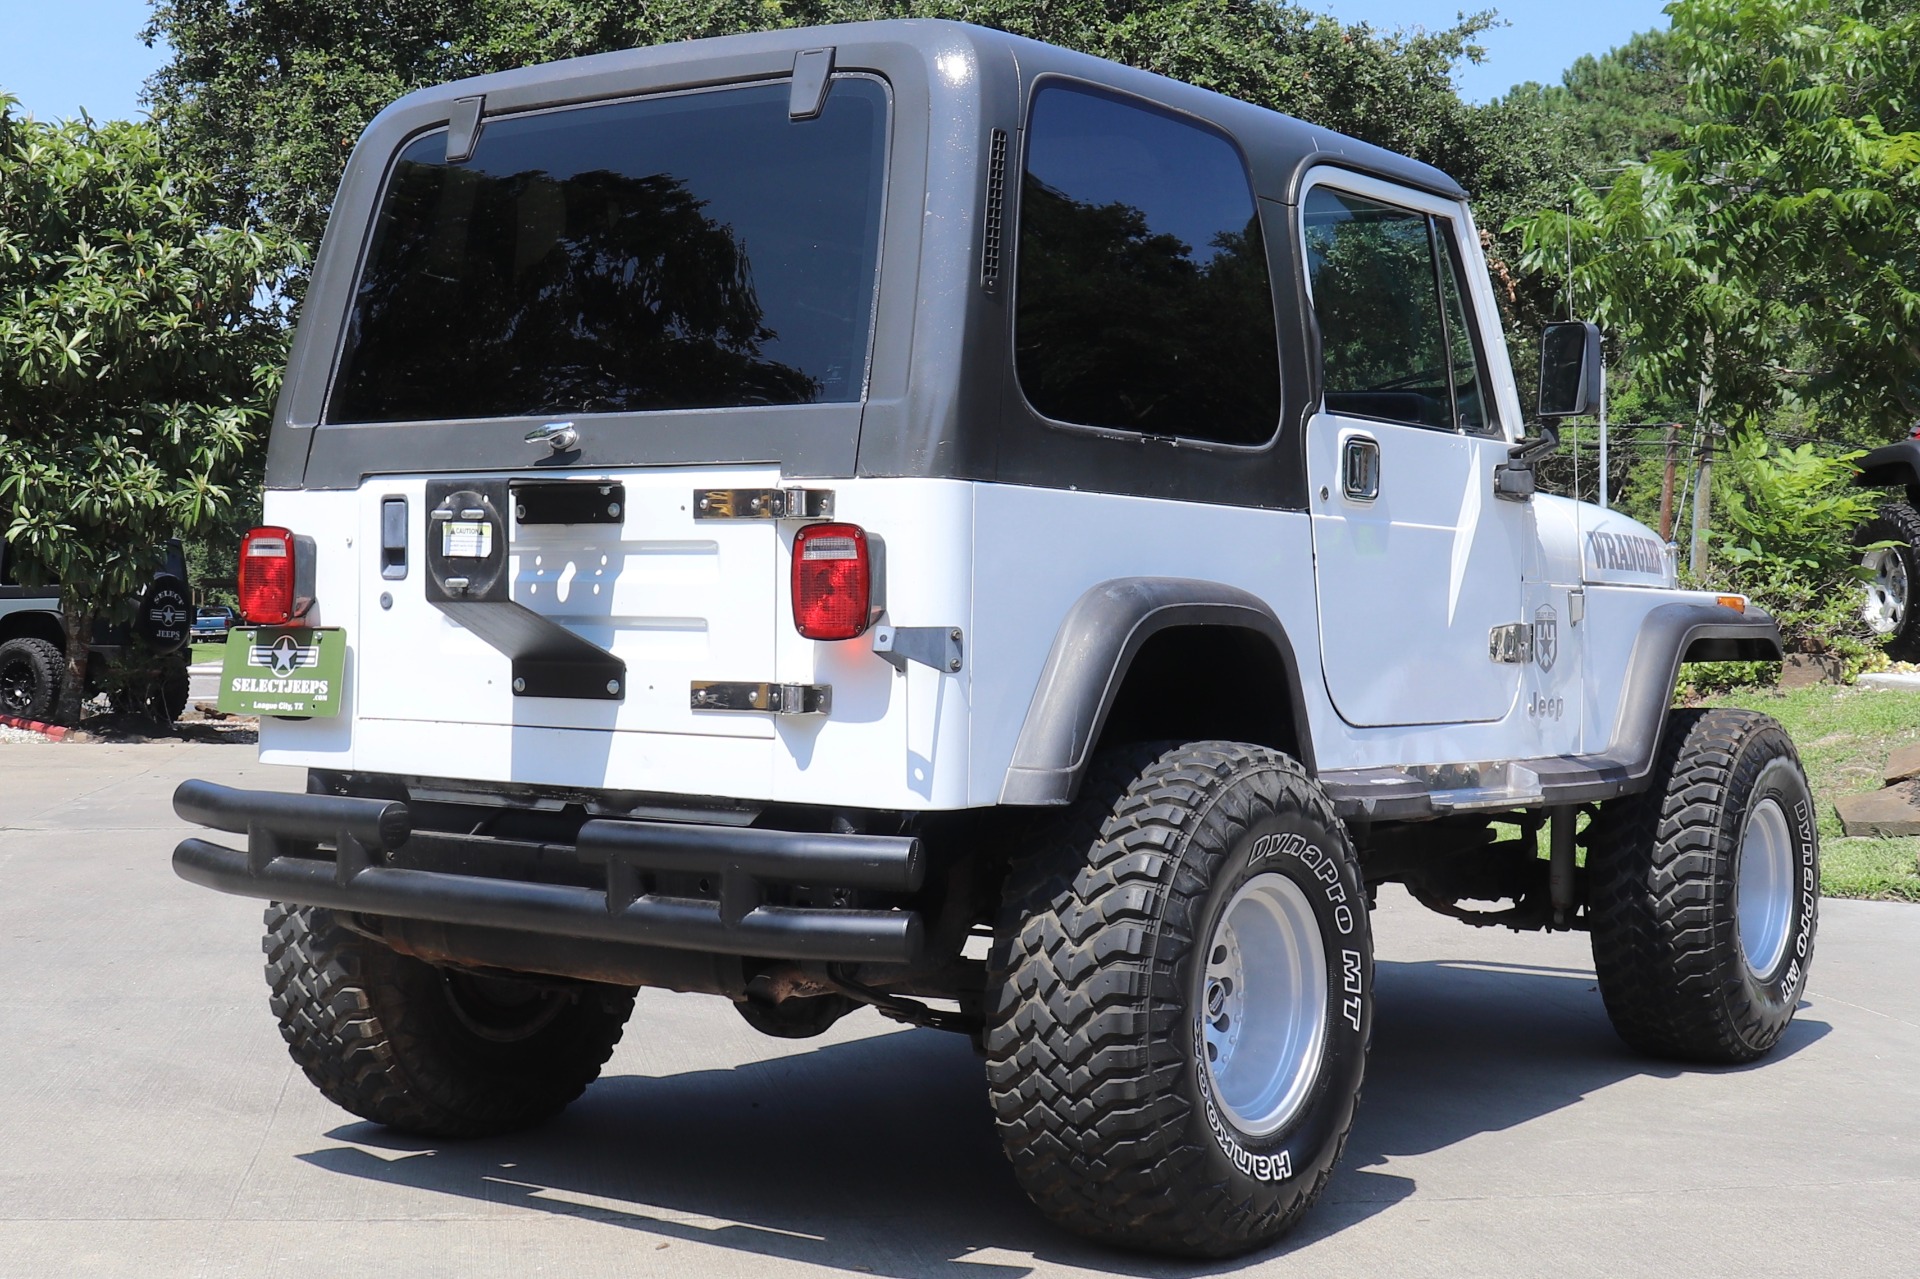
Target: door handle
<point x="1360" y="468"/>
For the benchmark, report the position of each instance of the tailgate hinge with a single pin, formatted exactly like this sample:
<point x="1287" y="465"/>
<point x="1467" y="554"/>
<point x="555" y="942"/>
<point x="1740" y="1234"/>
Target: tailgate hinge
<point x="773" y="699"/>
<point x="763" y="504"/>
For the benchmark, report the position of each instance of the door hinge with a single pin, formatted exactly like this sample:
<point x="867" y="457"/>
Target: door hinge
<point x="1511" y="643"/>
<point x="763" y="504"/>
<point x="766" y="699"/>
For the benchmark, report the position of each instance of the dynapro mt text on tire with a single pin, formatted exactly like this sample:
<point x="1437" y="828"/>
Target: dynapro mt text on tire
<point x="1705" y="892"/>
<point x="1181" y="1004"/>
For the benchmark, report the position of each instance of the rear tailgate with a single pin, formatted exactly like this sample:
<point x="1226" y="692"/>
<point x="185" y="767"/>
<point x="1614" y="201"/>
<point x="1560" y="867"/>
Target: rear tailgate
<point x="677" y="600"/>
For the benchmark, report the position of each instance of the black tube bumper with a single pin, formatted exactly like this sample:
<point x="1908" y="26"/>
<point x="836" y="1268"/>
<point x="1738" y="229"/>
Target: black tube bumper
<point x="284" y="861"/>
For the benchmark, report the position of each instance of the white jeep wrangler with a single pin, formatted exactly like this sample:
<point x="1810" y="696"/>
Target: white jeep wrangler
<point x="757" y="515"/>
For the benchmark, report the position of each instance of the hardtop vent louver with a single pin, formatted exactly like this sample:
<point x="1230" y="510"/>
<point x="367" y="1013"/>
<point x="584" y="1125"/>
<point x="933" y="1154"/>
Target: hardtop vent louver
<point x="996" y="206"/>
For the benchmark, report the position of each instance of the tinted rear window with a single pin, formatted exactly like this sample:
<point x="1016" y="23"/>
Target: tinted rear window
<point x="694" y="251"/>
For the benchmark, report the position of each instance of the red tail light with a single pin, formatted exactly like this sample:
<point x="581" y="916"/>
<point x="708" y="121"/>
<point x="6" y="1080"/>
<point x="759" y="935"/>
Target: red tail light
<point x="832" y="581"/>
<point x="266" y="577"/>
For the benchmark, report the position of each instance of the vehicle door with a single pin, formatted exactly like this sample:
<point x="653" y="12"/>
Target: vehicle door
<point x="1416" y="561"/>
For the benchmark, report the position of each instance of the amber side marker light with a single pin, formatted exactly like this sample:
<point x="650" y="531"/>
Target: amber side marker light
<point x="1738" y="603"/>
<point x="832" y="581"/>
<point x="266" y="577"/>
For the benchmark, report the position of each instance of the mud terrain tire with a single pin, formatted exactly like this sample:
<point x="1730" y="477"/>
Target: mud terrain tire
<point x="1890" y="605"/>
<point x="162" y="699"/>
<point x="427" y="1050"/>
<point x="1105" y="995"/>
<point x="1688" y="969"/>
<point x="31" y="672"/>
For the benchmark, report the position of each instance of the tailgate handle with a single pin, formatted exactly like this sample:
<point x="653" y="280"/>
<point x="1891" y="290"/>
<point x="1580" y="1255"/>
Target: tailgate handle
<point x="393" y="538"/>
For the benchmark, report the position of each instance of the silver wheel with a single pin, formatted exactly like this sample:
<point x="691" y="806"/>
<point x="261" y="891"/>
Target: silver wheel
<point x="1263" y="1004"/>
<point x="1885" y="607"/>
<point x="1764" y="888"/>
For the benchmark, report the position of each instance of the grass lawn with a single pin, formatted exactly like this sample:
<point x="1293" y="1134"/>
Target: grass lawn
<point x="1844" y="735"/>
<point x="209" y="652"/>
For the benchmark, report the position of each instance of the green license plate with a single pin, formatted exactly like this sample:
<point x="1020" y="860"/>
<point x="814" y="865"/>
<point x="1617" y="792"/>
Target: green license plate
<point x="283" y="670"/>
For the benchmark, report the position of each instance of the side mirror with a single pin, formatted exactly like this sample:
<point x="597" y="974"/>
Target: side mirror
<point x="1569" y="369"/>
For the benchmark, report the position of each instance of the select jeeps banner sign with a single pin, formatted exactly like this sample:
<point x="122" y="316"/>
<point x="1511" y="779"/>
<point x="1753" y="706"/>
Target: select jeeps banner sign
<point x="283" y="670"/>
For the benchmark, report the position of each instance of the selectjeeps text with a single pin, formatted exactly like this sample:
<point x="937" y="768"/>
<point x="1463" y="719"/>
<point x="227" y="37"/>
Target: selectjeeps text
<point x="901" y="515"/>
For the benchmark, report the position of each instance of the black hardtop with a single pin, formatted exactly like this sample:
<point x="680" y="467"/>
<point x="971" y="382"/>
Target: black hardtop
<point x="940" y="400"/>
<point x="1280" y="148"/>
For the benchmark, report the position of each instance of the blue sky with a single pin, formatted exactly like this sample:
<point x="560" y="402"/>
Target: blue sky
<point x="58" y="56"/>
<point x="1542" y="38"/>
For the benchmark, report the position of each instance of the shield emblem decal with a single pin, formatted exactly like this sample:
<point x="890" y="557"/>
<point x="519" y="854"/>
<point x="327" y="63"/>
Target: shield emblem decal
<point x="1546" y="637"/>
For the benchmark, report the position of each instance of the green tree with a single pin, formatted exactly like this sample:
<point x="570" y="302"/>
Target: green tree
<point x="270" y="97"/>
<point x="1618" y="108"/>
<point x="1652" y="266"/>
<point x="1775" y="254"/>
<point x="1607" y="112"/>
<point x="138" y="354"/>
<point x="1789" y="517"/>
<point x="1809" y="151"/>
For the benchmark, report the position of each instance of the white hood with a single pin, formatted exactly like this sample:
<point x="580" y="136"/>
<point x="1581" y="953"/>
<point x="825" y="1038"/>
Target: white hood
<point x="1616" y="549"/>
<point x="1580" y="542"/>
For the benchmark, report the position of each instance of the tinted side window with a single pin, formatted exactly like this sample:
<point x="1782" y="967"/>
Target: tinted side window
<point x="1393" y="326"/>
<point x="1473" y="406"/>
<point x="1142" y="301"/>
<point x="697" y="250"/>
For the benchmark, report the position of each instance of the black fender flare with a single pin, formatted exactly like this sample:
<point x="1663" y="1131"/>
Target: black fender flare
<point x="1891" y="466"/>
<point x="1091" y="653"/>
<point x="1670" y="635"/>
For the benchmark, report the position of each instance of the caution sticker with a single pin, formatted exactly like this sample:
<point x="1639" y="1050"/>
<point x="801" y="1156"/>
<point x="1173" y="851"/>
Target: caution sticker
<point x="466" y="539"/>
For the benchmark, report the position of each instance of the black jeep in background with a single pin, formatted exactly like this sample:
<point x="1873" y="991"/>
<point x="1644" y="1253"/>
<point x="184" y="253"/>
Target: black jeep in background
<point x="33" y="657"/>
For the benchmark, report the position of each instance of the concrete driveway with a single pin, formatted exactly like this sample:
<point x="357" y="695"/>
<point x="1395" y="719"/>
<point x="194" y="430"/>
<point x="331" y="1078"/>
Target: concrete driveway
<point x="151" y="1124"/>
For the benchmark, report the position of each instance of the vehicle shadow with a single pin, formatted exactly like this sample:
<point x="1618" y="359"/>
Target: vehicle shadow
<point x="878" y="1154"/>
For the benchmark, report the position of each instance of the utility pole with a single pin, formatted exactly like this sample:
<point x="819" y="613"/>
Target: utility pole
<point x="1703" y="486"/>
<point x="1666" y="484"/>
<point x="1697" y="553"/>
